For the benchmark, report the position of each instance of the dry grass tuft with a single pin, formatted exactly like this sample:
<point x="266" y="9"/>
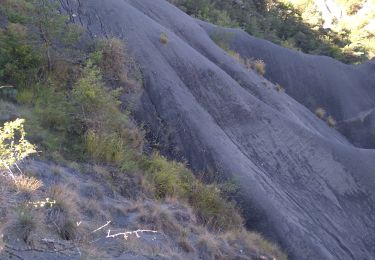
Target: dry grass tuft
<point x="24" y="223"/>
<point x="209" y="247"/>
<point x="114" y="61"/>
<point x="63" y="214"/>
<point x="184" y="242"/>
<point x="27" y="184"/>
<point x="251" y="242"/>
<point x="320" y="112"/>
<point x="331" y="121"/>
<point x="157" y="217"/>
<point x="163" y="38"/>
<point x="260" y="67"/>
<point x="237" y="57"/>
<point x="279" y="88"/>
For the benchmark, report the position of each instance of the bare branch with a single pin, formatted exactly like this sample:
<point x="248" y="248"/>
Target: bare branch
<point x="101" y="227"/>
<point x="1" y="87"/>
<point x="128" y="233"/>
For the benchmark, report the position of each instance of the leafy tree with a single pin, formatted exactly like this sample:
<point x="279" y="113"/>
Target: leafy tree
<point x="53" y="26"/>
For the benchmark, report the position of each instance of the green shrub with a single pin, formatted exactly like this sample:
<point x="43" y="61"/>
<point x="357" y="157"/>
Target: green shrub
<point x="52" y="108"/>
<point x="16" y="10"/>
<point x="13" y="145"/>
<point x="25" y="96"/>
<point x="19" y="62"/>
<point x="110" y="148"/>
<point x="109" y="136"/>
<point x="97" y="105"/>
<point x="172" y="179"/>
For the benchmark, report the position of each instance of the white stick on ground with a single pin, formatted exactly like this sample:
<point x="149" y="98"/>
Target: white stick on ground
<point x="101" y="227"/>
<point x="128" y="233"/>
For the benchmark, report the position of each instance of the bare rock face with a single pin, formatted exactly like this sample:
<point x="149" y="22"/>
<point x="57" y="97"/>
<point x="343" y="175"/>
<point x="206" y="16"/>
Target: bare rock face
<point x="344" y="91"/>
<point x="302" y="183"/>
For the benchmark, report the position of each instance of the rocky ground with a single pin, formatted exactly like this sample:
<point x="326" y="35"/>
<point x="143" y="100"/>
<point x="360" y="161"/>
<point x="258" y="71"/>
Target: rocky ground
<point x="79" y="213"/>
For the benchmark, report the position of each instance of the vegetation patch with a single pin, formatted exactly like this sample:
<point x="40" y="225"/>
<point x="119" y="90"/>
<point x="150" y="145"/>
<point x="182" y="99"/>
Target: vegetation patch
<point x="298" y="25"/>
<point x="163" y="38"/>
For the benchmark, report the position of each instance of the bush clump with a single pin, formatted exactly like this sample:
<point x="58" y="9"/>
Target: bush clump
<point x="172" y="179"/>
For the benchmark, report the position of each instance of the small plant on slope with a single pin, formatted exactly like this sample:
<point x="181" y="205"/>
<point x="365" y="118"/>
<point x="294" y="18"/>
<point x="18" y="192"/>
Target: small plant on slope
<point x="13" y="145"/>
<point x="331" y="121"/>
<point x="260" y="67"/>
<point x="163" y="38"/>
<point x="320" y="112"/>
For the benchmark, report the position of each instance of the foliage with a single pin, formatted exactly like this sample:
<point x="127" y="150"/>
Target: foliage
<point x="52" y="26"/>
<point x="19" y="62"/>
<point x="297" y="26"/>
<point x="13" y="145"/>
<point x="109" y="137"/>
<point x="172" y="179"/>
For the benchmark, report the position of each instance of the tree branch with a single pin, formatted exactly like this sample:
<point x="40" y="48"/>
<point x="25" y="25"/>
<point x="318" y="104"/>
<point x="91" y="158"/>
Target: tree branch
<point x="1" y="87"/>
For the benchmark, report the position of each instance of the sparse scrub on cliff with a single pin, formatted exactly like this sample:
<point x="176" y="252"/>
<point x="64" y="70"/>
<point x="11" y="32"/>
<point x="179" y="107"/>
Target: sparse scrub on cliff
<point x="163" y="38"/>
<point x="279" y="88"/>
<point x="320" y="112"/>
<point x="260" y="67"/>
<point x="331" y="121"/>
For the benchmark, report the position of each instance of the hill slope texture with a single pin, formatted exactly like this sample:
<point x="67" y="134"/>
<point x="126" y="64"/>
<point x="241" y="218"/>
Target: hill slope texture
<point x="302" y="183"/>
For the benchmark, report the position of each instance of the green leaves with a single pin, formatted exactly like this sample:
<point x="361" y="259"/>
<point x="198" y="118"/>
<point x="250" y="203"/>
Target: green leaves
<point x="13" y="145"/>
<point x="19" y="62"/>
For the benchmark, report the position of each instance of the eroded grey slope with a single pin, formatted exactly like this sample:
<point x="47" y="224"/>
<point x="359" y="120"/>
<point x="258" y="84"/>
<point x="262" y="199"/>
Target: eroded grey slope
<point x="302" y="183"/>
<point x="346" y="92"/>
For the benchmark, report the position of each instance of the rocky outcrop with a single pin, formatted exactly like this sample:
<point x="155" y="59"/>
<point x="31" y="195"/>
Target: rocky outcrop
<point x="302" y="183"/>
